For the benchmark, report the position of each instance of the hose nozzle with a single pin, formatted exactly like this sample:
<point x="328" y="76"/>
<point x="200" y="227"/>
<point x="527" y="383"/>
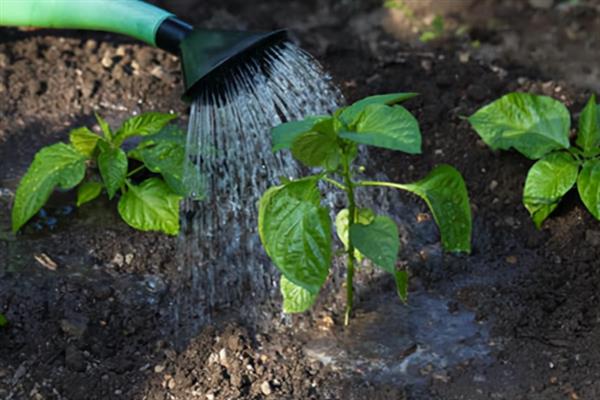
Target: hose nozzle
<point x="208" y="55"/>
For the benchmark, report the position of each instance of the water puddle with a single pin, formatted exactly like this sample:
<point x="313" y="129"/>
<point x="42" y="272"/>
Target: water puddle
<point x="405" y="345"/>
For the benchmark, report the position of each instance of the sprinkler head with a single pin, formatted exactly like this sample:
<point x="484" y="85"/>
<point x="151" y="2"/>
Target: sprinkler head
<point x="209" y="56"/>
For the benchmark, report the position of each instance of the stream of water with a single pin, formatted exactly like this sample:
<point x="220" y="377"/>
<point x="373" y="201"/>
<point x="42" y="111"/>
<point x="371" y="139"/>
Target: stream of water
<point x="222" y="263"/>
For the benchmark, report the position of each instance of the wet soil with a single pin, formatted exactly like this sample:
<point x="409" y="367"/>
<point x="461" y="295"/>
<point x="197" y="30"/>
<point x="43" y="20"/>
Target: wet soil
<point x="87" y="297"/>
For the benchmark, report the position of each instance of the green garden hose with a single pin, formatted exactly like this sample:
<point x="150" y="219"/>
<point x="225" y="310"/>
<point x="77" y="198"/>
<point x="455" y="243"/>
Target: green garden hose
<point x="129" y="17"/>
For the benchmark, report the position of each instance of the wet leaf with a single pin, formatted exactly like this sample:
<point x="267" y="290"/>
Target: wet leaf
<point x="588" y="186"/>
<point x="57" y="165"/>
<point x="151" y="206"/>
<point x="588" y="136"/>
<point x="378" y="241"/>
<point x="112" y="163"/>
<point x="547" y="182"/>
<point x="363" y="216"/>
<point x="389" y="127"/>
<point x="445" y="193"/>
<point x="296" y="299"/>
<point x="283" y="135"/>
<point x="533" y="125"/>
<point x="143" y="125"/>
<point x="84" y="140"/>
<point x="296" y="232"/>
<point x="317" y="149"/>
<point x="168" y="159"/>
<point x="87" y="192"/>
<point x="350" y="114"/>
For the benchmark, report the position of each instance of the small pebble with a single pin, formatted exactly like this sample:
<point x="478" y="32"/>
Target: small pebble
<point x="223" y="357"/>
<point x="118" y="260"/>
<point x="265" y="388"/>
<point x="106" y="61"/>
<point x="128" y="258"/>
<point x="171" y="384"/>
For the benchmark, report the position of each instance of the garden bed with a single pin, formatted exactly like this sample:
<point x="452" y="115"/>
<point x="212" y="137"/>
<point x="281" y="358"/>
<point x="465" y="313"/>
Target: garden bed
<point x="87" y="297"/>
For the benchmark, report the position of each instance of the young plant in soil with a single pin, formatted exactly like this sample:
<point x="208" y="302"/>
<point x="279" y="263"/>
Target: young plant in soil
<point x="296" y="230"/>
<point x="3" y="321"/>
<point x="538" y="127"/>
<point x="99" y="163"/>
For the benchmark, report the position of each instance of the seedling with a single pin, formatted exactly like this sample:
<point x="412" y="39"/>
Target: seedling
<point x="99" y="163"/>
<point x="3" y="321"/>
<point x="538" y="127"/>
<point x="296" y="229"/>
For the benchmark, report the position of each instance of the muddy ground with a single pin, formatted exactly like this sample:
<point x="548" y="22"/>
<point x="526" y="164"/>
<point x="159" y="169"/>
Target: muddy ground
<point x="522" y="308"/>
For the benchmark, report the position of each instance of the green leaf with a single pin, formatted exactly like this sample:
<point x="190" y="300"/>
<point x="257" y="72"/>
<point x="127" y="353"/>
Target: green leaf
<point x="533" y="125"/>
<point x="3" y="321"/>
<point x="104" y="127"/>
<point x="283" y="135"/>
<point x="87" y="192"/>
<point x="445" y="193"/>
<point x="164" y="157"/>
<point x="547" y="182"/>
<point x="167" y="158"/>
<point x="84" y="140"/>
<point x="362" y="216"/>
<point x="389" y="127"/>
<point x="317" y="149"/>
<point x="143" y="125"/>
<point x="170" y="133"/>
<point x="112" y="163"/>
<point x="352" y="113"/>
<point x="151" y="206"/>
<point x="296" y="299"/>
<point x="296" y="232"/>
<point x="57" y="165"/>
<point x="402" y="284"/>
<point x="378" y="241"/>
<point x="165" y="153"/>
<point x="588" y="186"/>
<point x="588" y="137"/>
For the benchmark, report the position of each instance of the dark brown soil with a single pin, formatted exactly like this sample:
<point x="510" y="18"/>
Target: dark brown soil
<point x="95" y="327"/>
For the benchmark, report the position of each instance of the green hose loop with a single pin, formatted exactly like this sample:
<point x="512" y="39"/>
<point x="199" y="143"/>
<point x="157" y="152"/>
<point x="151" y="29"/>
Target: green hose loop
<point x="133" y="18"/>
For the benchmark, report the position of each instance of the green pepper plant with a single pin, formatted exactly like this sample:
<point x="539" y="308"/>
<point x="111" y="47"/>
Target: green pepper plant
<point x="538" y="127"/>
<point x="95" y="163"/>
<point x="295" y="228"/>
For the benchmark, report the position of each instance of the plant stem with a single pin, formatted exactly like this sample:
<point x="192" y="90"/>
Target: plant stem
<point x="135" y="171"/>
<point x="349" y="189"/>
<point x="335" y="183"/>
<point x="381" y="183"/>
